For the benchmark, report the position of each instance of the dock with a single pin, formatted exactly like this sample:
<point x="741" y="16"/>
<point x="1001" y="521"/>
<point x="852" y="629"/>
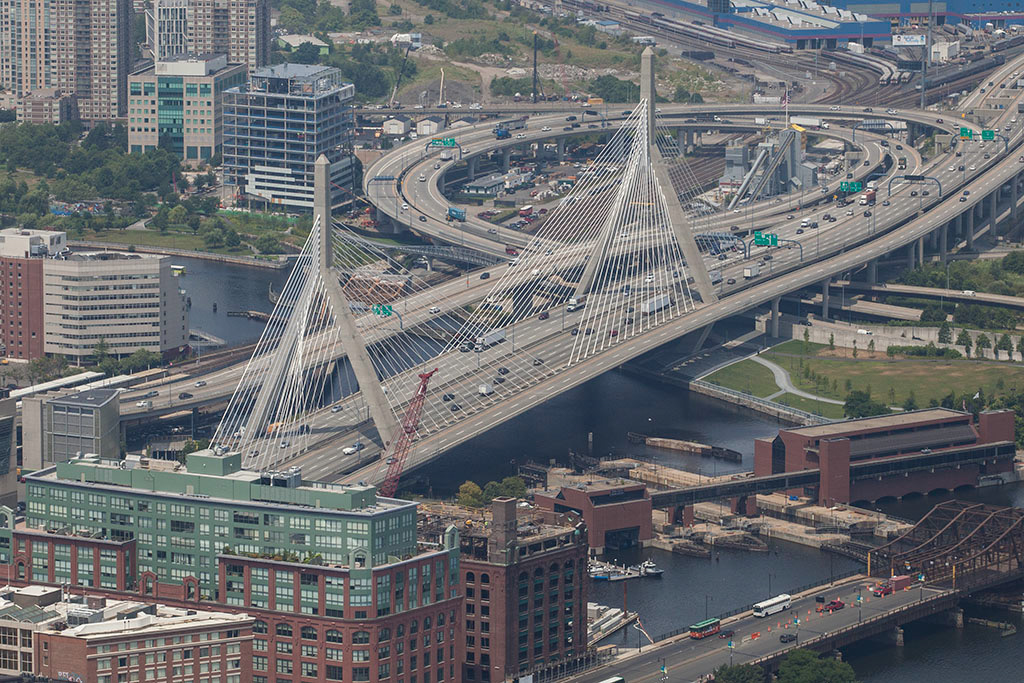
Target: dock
<point x="603" y="621"/>
<point x="251" y="315"/>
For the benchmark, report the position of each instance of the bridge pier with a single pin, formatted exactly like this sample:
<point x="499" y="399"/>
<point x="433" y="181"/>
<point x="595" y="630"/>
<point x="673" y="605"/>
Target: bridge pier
<point x="943" y="242"/>
<point x="1014" y="198"/>
<point x="824" y="298"/>
<point x="506" y="157"/>
<point x="702" y="337"/>
<point x="471" y="168"/>
<point x="681" y="140"/>
<point x="775" y="317"/>
<point x="873" y="272"/>
<point x="897" y="636"/>
<point x="993" y="211"/>
<point x="967" y="218"/>
<point x="560" y="149"/>
<point x="920" y="250"/>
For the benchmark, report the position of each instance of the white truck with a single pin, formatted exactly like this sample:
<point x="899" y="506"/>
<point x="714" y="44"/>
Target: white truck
<point x="576" y="303"/>
<point x="751" y="271"/>
<point x="762" y="120"/>
<point x="655" y="304"/>
<point x="715" y="275"/>
<point x="485" y="389"/>
<point x="806" y="121"/>
<point x="491" y="338"/>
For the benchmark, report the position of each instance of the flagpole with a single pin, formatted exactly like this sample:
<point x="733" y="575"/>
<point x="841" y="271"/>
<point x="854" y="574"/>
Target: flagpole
<point x="787" y="108"/>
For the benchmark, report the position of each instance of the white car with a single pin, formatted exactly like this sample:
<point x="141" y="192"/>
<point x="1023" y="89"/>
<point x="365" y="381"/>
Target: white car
<point x="335" y="409"/>
<point x="971" y="168"/>
<point x="435" y="309"/>
<point x="649" y="278"/>
<point x="951" y="168"/>
<point x="405" y="207"/>
<point x="546" y="129"/>
<point x="353" y="449"/>
<point x="520" y="136"/>
<point x="834" y="107"/>
<point x="201" y="383"/>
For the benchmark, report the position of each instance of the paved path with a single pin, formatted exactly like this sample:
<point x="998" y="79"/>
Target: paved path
<point x="782" y="379"/>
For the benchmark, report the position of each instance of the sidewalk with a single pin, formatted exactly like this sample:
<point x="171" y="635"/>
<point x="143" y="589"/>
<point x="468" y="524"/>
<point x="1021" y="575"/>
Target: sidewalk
<point x="782" y="379"/>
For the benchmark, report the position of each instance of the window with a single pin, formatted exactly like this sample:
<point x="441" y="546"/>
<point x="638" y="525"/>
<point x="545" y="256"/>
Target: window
<point x="333" y="636"/>
<point x="361" y="637"/>
<point x="284" y="630"/>
<point x="309" y="633"/>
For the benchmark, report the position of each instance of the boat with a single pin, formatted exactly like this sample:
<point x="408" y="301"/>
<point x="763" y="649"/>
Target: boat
<point x="178" y="270"/>
<point x="648" y="568"/>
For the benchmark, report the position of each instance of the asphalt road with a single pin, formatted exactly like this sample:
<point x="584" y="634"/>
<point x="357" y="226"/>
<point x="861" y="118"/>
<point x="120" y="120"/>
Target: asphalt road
<point x="686" y="659"/>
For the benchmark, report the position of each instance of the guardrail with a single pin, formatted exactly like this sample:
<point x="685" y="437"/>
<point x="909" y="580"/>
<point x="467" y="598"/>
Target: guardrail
<point x="803" y="414"/>
<point x="831" y="635"/>
<point x="747" y="608"/>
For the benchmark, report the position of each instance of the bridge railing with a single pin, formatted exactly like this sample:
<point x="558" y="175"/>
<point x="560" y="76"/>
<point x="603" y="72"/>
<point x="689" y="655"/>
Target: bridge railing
<point x="775" y="405"/>
<point x="747" y="608"/>
<point x="830" y="635"/>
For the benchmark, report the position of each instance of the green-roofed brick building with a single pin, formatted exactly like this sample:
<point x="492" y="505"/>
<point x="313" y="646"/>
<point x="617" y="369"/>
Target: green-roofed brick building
<point x="316" y="564"/>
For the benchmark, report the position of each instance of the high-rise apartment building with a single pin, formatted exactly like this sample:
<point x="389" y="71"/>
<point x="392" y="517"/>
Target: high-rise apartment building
<point x="277" y="126"/>
<point x="22" y="254"/>
<point x="79" y="47"/>
<point x="167" y="33"/>
<point x="176" y="104"/>
<point x="525" y="580"/>
<point x="338" y="584"/>
<point x="129" y="301"/>
<point x="239" y="29"/>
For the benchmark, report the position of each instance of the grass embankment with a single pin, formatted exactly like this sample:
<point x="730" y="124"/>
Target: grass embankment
<point x="746" y="376"/>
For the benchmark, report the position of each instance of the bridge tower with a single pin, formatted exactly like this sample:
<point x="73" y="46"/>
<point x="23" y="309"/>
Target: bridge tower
<point x="649" y="158"/>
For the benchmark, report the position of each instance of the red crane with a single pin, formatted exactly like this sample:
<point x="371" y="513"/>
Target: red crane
<point x="401" y="445"/>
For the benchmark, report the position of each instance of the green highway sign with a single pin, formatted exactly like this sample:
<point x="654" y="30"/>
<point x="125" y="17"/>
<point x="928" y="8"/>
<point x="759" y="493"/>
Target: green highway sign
<point x="850" y="186"/>
<point x="443" y="142"/>
<point x="988" y="135"/>
<point x="765" y="239"/>
<point x="383" y="310"/>
<point x="966" y="134"/>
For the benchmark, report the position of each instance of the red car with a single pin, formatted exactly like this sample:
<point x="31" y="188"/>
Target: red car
<point x="832" y="606"/>
<point x="882" y="590"/>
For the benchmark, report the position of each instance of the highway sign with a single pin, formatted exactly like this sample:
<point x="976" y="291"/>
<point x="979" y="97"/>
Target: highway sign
<point x="850" y="186"/>
<point x="383" y="310"/>
<point x="988" y="135"/>
<point x="765" y="239"/>
<point x="913" y="177"/>
<point x="443" y="142"/>
<point x="966" y="133"/>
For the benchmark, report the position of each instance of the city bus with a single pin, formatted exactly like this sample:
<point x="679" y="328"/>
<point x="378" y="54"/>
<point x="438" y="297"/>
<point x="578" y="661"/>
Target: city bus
<point x="772" y="606"/>
<point x="526" y="211"/>
<point x="703" y="629"/>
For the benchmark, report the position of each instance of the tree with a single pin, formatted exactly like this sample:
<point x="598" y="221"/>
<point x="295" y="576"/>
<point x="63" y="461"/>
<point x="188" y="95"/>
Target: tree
<point x="429" y="19"/>
<point x="268" y="244"/>
<point x="964" y="339"/>
<point x="101" y="350"/>
<point x="983" y="343"/>
<point x="911" y="402"/>
<point x="831" y="342"/>
<point x="860" y="404"/>
<point x="193" y="223"/>
<point x="470" y="495"/>
<point x="945" y="333"/>
<point x="1005" y="344"/>
<point x="232" y="238"/>
<point x="741" y="673"/>
<point x="307" y="53"/>
<point x="804" y="666"/>
<point x="513" y="487"/>
<point x="871" y="346"/>
<point x="177" y="215"/>
<point x="395" y="10"/>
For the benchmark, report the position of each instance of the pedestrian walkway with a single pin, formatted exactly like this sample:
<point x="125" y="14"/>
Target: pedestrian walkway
<point x="782" y="379"/>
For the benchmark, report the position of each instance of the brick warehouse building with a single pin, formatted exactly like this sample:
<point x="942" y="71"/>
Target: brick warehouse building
<point x="525" y="581"/>
<point x="617" y="512"/>
<point x="334" y="577"/>
<point x="22" y="253"/>
<point x="834" y="447"/>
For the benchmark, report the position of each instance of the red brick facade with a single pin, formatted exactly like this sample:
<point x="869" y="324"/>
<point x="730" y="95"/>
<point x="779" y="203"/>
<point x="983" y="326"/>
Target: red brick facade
<point x="21" y="307"/>
<point x="610" y="511"/>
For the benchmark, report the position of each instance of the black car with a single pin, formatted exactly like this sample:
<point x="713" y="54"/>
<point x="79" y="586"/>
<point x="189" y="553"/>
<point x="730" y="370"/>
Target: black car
<point x="455" y="407"/>
<point x="485" y="276"/>
<point x="448" y="397"/>
<point x="885" y="202"/>
<point x="589" y="331"/>
<point x="627" y="321"/>
<point x="913" y="193"/>
<point x="799" y="231"/>
<point x="726" y="633"/>
<point x="570" y="118"/>
<point x="423" y="219"/>
<point x="499" y="380"/>
<point x="574" y="331"/>
<point x="731" y="281"/>
<point x="502" y="371"/>
<point x="184" y="395"/>
<point x="567" y="128"/>
<point x="899" y="146"/>
<point x="867" y="214"/>
<point x="538" y="361"/>
<point x="787" y="638"/>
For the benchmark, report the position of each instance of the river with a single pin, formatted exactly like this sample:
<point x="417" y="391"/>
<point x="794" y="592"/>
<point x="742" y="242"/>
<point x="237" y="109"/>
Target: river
<point x="612" y="405"/>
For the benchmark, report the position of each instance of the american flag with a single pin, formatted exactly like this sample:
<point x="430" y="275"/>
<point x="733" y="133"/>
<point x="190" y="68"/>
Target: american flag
<point x="784" y="102"/>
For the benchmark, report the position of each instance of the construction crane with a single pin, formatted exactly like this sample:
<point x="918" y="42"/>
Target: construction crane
<point x="398" y="449"/>
<point x="398" y="81"/>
